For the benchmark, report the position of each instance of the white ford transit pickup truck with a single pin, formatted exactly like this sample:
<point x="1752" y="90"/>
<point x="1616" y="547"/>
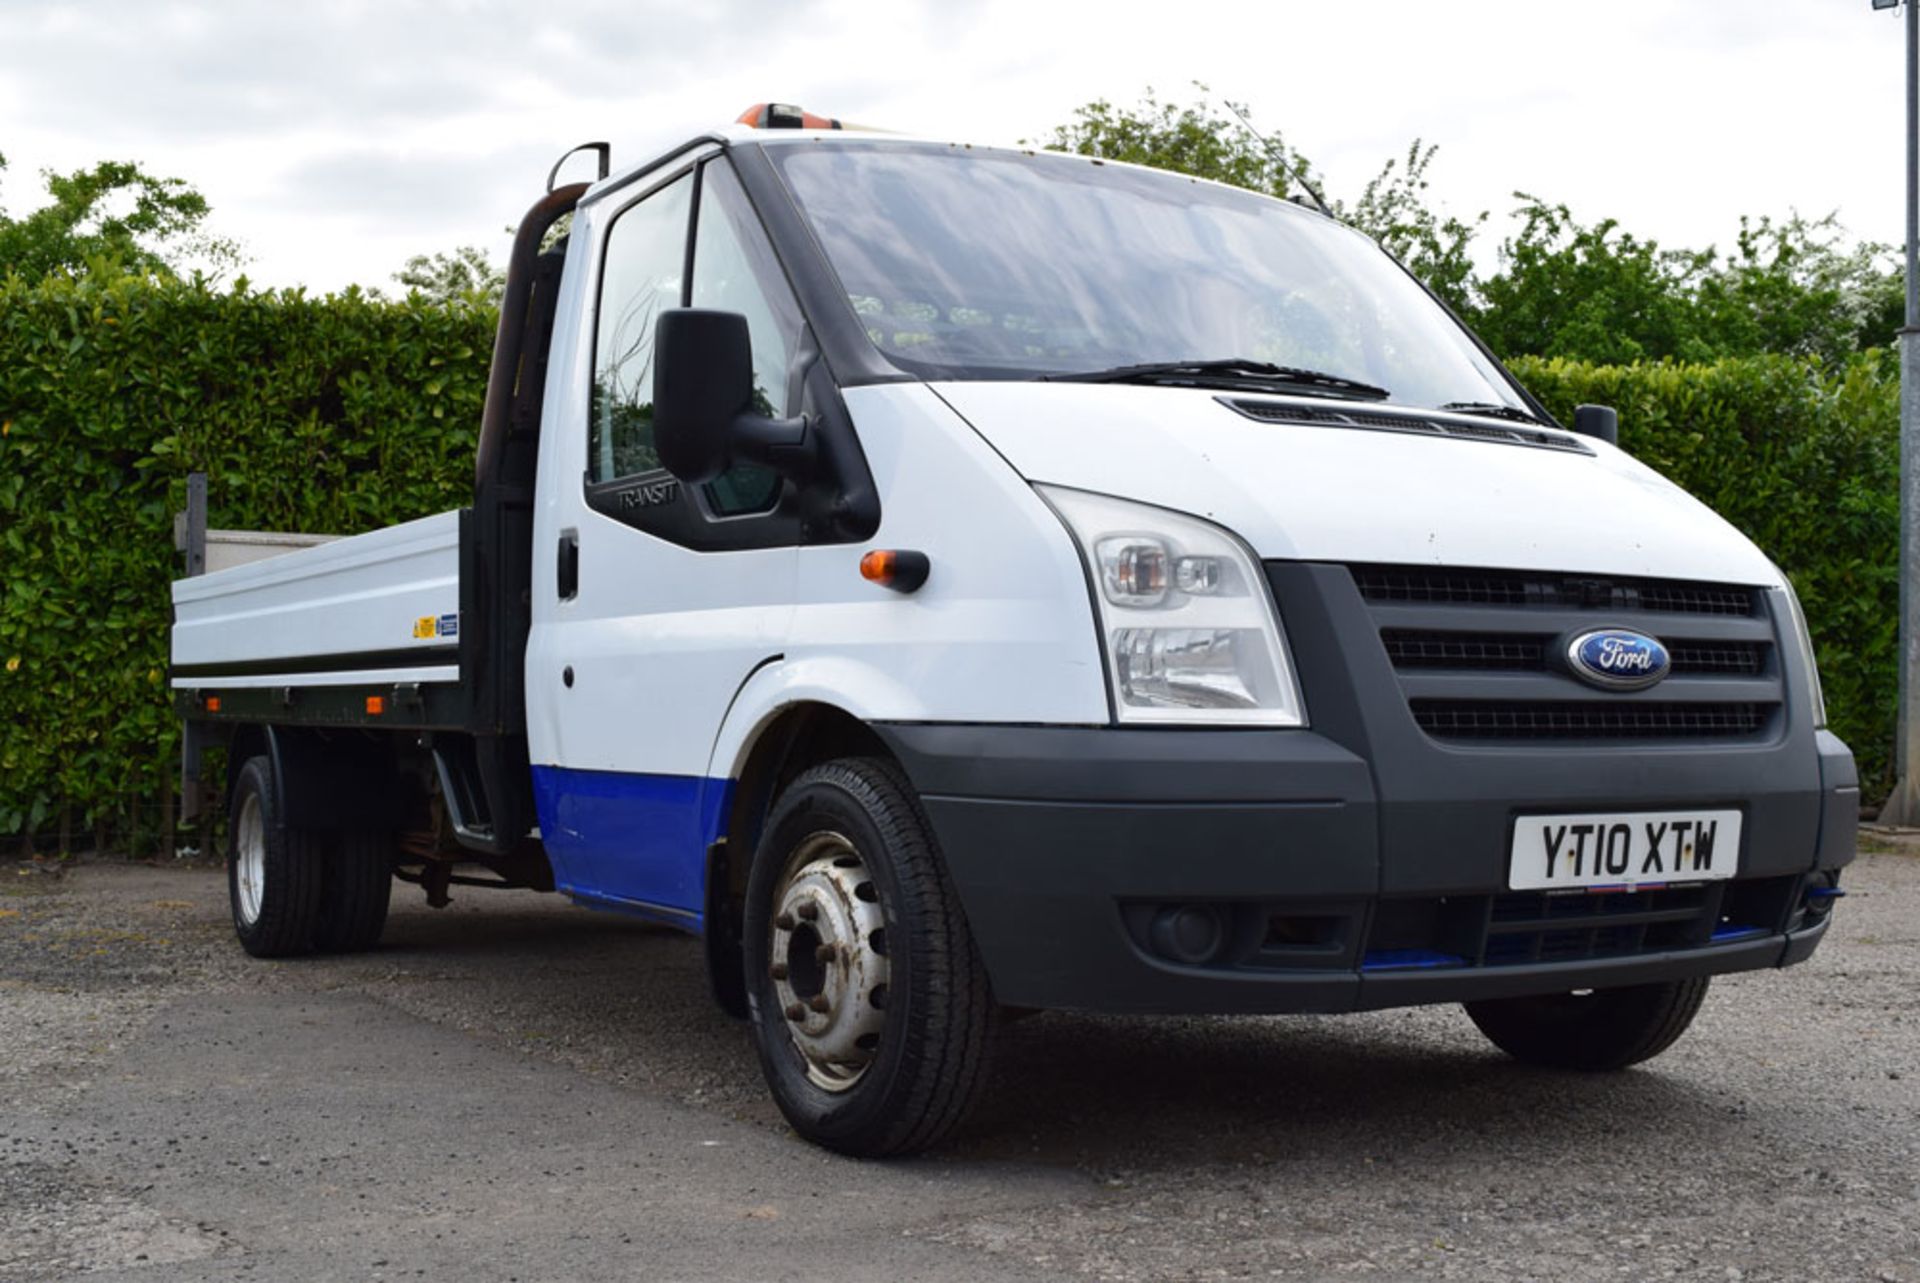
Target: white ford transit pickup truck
<point x="949" y="580"/>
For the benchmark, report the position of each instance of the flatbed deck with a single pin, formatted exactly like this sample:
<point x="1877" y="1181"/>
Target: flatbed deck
<point x="313" y="635"/>
<point x="383" y="606"/>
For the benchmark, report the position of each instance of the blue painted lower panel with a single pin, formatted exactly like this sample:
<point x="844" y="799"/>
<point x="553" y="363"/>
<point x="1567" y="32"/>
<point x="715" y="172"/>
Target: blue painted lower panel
<point x="631" y="841"/>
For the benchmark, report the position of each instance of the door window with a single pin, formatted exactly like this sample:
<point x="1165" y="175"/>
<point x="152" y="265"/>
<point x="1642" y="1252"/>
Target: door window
<point x="734" y="270"/>
<point x="644" y="275"/>
<point x="662" y="254"/>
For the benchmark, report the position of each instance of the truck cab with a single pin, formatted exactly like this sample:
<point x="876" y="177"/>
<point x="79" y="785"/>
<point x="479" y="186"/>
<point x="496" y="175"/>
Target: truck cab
<point x="951" y="580"/>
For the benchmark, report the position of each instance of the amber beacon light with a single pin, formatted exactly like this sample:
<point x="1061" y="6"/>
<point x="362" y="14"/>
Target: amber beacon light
<point x="784" y="115"/>
<point x="896" y="569"/>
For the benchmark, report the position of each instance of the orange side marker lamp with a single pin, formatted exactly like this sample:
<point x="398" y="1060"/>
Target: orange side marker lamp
<point x="895" y="568"/>
<point x="213" y="703"/>
<point x="376" y="705"/>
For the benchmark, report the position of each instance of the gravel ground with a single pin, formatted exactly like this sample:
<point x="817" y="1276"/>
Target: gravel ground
<point x="512" y="1088"/>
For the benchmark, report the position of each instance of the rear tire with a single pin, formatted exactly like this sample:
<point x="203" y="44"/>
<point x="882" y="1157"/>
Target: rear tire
<point x="273" y="872"/>
<point x="868" y="1000"/>
<point x="1599" y="1030"/>
<point x="355" y="887"/>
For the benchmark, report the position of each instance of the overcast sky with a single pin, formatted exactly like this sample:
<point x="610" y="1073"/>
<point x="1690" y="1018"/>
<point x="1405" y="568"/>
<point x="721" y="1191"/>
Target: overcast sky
<point x="334" y="138"/>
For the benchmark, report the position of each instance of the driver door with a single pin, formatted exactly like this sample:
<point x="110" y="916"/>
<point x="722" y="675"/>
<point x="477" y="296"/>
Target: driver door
<point x="654" y="601"/>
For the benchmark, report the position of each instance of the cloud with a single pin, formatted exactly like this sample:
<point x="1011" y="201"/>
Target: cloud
<point x="198" y="68"/>
<point x="405" y="187"/>
<point x="336" y="137"/>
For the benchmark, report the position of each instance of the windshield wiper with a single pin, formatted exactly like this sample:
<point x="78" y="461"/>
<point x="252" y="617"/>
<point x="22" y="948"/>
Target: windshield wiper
<point x="1232" y="371"/>
<point x="1492" y="410"/>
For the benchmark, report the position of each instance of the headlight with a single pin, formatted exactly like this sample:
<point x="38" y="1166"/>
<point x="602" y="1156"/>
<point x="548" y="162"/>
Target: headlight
<point x="1804" y="641"/>
<point x="1186" y="621"/>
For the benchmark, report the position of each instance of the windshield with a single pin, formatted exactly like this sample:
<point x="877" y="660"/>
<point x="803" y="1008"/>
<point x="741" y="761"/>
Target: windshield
<point x="972" y="263"/>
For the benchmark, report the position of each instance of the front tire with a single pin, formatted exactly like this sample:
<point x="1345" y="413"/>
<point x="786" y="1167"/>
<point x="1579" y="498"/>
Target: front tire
<point x="1600" y="1029"/>
<point x="868" y="1000"/>
<point x="273" y="871"/>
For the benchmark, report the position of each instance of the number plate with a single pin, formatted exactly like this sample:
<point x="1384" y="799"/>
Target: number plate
<point x="1641" y="848"/>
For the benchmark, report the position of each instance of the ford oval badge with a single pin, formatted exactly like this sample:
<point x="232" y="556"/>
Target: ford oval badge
<point x="1618" y="659"/>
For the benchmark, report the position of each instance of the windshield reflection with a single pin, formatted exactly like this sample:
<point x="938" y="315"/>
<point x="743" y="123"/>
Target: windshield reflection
<point x="974" y="263"/>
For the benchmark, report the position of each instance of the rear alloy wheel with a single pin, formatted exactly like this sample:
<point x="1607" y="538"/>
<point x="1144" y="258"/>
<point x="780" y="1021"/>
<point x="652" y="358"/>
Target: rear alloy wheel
<point x="273" y="872"/>
<point x="1596" y="1029"/>
<point x="868" y="1000"/>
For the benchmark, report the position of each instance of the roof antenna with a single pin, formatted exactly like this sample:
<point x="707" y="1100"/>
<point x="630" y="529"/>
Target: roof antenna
<point x="1298" y="173"/>
<point x="603" y="150"/>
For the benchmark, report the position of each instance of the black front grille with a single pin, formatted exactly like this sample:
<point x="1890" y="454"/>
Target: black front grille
<point x="1520" y="927"/>
<point x="1586" y="720"/>
<point x="1505" y="652"/>
<point x="1438" y="586"/>
<point x="1538" y="927"/>
<point x="1528" y="653"/>
<point x="1481" y="655"/>
<point x="1734" y="659"/>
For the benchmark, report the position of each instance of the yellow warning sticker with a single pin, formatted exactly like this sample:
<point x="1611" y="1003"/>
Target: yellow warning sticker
<point x="423" y="626"/>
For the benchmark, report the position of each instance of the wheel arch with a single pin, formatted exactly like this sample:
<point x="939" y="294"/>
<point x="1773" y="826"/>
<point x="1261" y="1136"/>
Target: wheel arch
<point x="787" y="741"/>
<point x="323" y="780"/>
<point x="247" y="742"/>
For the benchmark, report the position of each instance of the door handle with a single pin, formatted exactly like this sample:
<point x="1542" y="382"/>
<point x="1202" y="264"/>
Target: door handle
<point x="566" y="578"/>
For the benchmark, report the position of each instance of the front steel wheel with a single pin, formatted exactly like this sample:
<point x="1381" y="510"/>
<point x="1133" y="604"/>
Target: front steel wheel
<point x="829" y="964"/>
<point x="869" y="1003"/>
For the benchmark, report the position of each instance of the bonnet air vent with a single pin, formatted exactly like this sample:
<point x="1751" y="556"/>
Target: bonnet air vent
<point x="1417" y="422"/>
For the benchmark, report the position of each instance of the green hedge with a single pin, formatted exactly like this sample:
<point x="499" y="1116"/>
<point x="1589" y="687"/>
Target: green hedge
<point x="344" y="413"/>
<point x="333" y="414"/>
<point x="1806" y="461"/>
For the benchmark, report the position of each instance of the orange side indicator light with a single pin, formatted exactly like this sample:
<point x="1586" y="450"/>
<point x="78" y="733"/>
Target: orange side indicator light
<point x="213" y="703"/>
<point x="376" y="705"/>
<point x="895" y="568"/>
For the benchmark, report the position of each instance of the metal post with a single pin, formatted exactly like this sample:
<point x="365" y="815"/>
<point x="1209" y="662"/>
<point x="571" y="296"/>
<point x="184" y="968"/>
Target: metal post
<point x="1903" y="806"/>
<point x="196" y="532"/>
<point x="192" y="541"/>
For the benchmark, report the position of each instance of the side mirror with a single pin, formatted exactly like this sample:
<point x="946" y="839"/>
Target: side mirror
<point x="1597" y="421"/>
<point x="704" y="419"/>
